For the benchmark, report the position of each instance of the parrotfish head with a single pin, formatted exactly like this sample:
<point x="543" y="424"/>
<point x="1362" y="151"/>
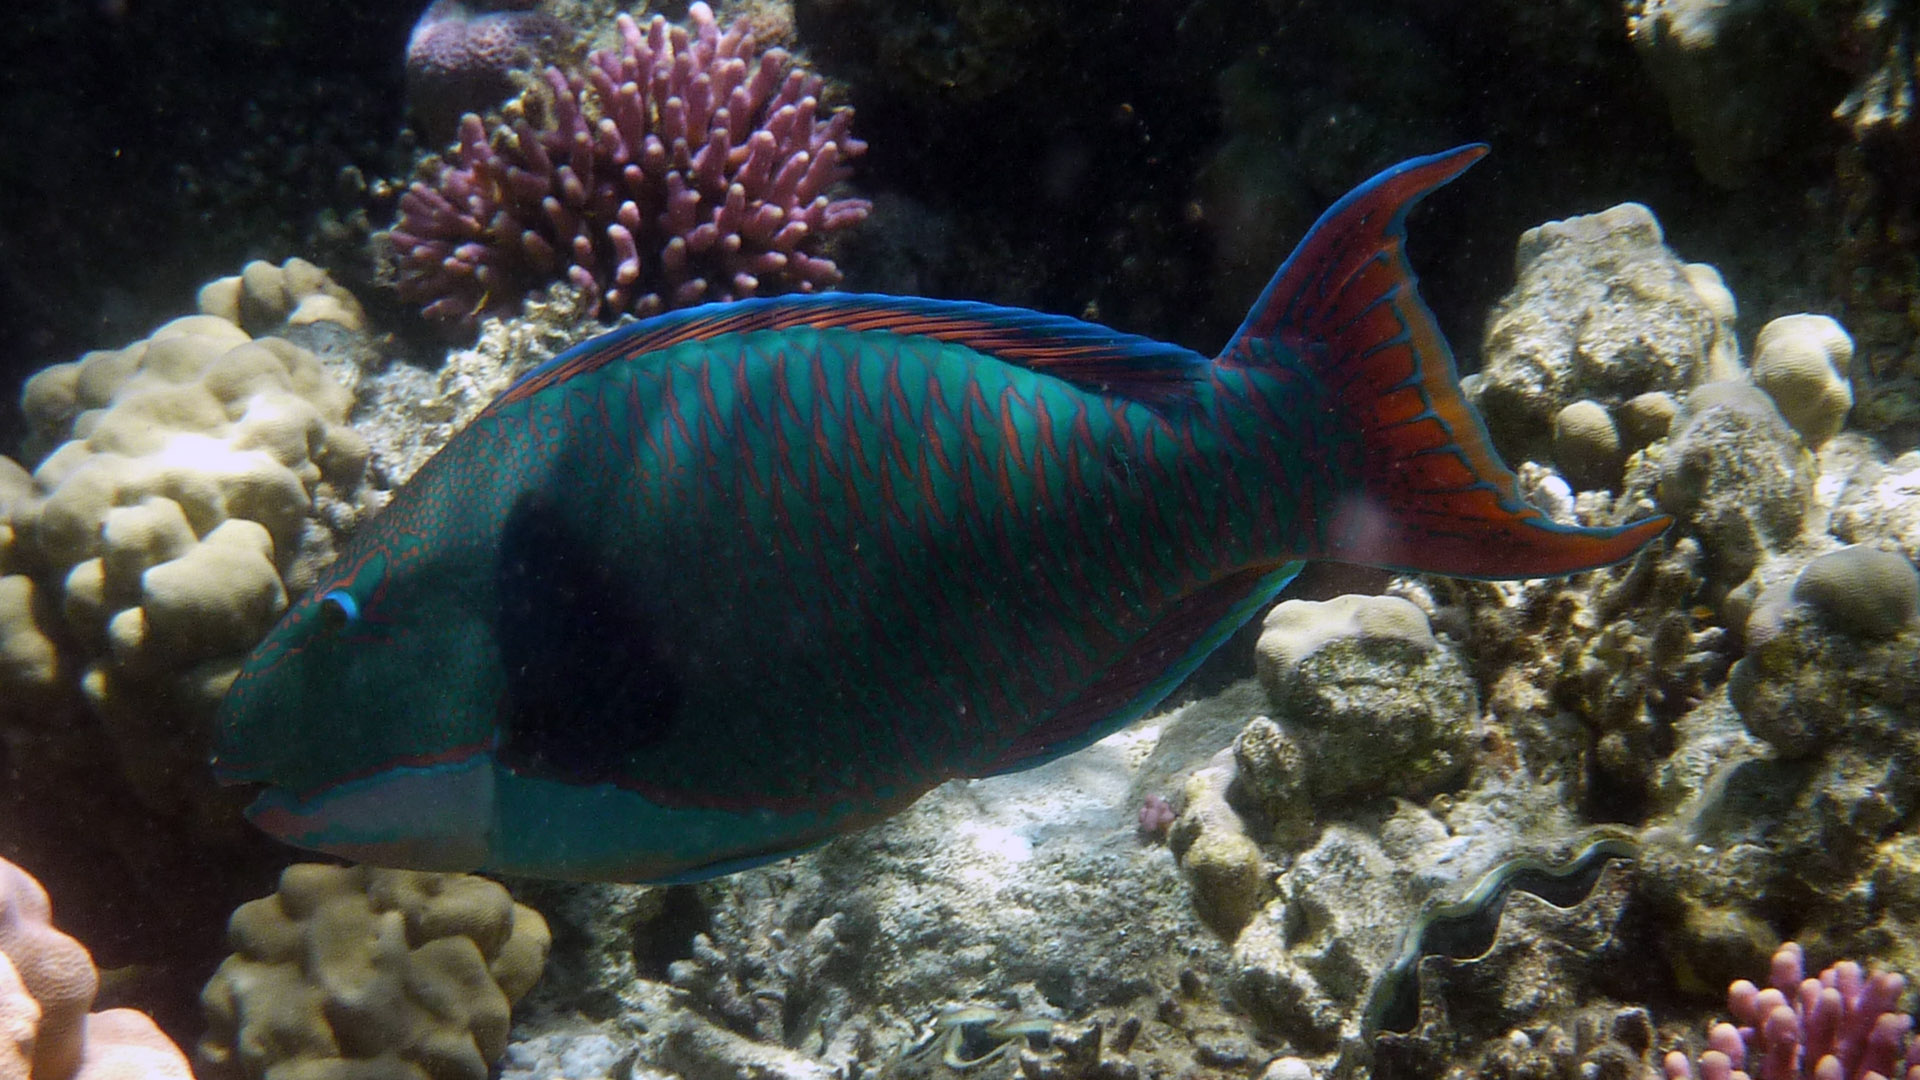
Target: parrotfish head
<point x="368" y="717"/>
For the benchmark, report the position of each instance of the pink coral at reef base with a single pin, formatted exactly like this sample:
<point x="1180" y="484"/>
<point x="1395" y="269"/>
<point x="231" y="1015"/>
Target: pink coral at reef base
<point x="1840" y="1026"/>
<point x="47" y="983"/>
<point x="685" y="167"/>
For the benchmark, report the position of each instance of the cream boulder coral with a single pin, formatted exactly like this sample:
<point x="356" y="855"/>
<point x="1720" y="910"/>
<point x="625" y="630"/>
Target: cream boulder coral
<point x="356" y="971"/>
<point x="47" y="983"/>
<point x="263" y="298"/>
<point x="1801" y="361"/>
<point x="182" y="479"/>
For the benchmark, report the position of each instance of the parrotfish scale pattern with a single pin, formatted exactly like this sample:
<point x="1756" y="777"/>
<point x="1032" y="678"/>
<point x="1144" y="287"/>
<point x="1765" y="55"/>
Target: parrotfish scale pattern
<point x="874" y="534"/>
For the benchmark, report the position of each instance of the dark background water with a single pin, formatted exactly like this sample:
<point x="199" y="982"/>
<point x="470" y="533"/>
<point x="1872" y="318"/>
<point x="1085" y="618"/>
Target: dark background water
<point x="146" y="147"/>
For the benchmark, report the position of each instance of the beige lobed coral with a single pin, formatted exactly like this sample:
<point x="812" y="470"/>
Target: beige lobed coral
<point x="263" y="298"/>
<point x="151" y="546"/>
<point x="369" y="973"/>
<point x="47" y="983"/>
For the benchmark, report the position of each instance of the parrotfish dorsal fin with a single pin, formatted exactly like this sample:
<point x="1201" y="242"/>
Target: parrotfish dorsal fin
<point x="1088" y="355"/>
<point x="1432" y="494"/>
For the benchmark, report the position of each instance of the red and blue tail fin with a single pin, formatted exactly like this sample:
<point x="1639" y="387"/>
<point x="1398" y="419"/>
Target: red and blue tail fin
<point x="1430" y="494"/>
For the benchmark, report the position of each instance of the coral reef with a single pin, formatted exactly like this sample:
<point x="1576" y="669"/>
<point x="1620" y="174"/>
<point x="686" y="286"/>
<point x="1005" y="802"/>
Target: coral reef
<point x="1860" y="590"/>
<point x="47" y="986"/>
<point x="687" y="166"/>
<point x="366" y="972"/>
<point x="1881" y="500"/>
<point x="202" y="472"/>
<point x="460" y="57"/>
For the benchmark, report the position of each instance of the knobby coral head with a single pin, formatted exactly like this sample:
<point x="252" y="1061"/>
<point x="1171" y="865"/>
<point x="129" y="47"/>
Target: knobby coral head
<point x="460" y="58"/>
<point x="685" y="167"/>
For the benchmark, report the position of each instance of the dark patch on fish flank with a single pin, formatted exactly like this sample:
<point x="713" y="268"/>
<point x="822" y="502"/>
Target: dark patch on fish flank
<point x="588" y="680"/>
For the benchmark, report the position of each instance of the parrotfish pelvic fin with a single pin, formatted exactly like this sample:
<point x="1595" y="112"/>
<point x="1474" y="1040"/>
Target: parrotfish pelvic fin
<point x="1428" y="491"/>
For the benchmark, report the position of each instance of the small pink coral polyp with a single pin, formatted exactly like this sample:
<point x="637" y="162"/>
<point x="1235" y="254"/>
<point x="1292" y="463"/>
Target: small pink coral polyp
<point x="684" y="167"/>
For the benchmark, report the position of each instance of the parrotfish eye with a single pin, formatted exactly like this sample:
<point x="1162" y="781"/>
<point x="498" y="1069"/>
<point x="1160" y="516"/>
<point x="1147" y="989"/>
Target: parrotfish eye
<point x="337" y="609"/>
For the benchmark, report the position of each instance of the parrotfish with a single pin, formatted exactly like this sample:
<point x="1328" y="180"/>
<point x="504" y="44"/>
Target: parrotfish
<point x="723" y="584"/>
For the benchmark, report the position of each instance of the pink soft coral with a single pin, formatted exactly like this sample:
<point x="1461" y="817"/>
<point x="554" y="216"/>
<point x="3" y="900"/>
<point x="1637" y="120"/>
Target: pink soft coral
<point x="1840" y="1026"/>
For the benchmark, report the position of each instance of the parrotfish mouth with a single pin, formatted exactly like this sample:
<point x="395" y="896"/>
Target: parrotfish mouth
<point x="432" y="818"/>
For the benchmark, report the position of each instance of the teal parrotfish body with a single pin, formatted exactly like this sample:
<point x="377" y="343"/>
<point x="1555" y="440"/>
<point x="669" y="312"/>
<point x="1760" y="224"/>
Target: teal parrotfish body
<point x="722" y="584"/>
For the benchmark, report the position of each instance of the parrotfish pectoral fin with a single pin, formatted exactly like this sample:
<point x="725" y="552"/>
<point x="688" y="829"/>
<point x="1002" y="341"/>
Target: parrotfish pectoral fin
<point x="1152" y="668"/>
<point x="1431" y="494"/>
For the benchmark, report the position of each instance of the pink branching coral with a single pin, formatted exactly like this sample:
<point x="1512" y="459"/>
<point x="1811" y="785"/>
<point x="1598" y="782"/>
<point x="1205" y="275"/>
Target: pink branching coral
<point x="685" y="167"/>
<point x="1840" y="1026"/>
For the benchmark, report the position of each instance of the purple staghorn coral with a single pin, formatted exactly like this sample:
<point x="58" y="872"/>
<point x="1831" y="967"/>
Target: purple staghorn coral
<point x="684" y="167"/>
<point x="1840" y="1026"/>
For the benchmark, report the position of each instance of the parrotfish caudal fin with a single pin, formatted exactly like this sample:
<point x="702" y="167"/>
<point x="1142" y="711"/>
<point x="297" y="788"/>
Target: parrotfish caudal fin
<point x="1427" y="491"/>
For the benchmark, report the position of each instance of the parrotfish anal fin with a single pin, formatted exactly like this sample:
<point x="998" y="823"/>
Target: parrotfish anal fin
<point x="587" y="680"/>
<point x="1432" y="495"/>
<point x="1152" y="667"/>
<point x="1086" y="354"/>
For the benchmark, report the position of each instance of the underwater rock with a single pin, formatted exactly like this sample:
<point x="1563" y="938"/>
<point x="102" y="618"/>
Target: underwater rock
<point x="1603" y="311"/>
<point x="371" y="972"/>
<point x="408" y="412"/>
<point x="1882" y="502"/>
<point x="1523" y="987"/>
<point x="1735" y="76"/>
<point x="1795" y="841"/>
<point x="1371" y="702"/>
<point x="47" y="986"/>
<point x="1803" y="684"/>
<point x="1228" y="871"/>
<point x="1735" y="476"/>
<point x="1030" y="893"/>
<point x="1312" y="967"/>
